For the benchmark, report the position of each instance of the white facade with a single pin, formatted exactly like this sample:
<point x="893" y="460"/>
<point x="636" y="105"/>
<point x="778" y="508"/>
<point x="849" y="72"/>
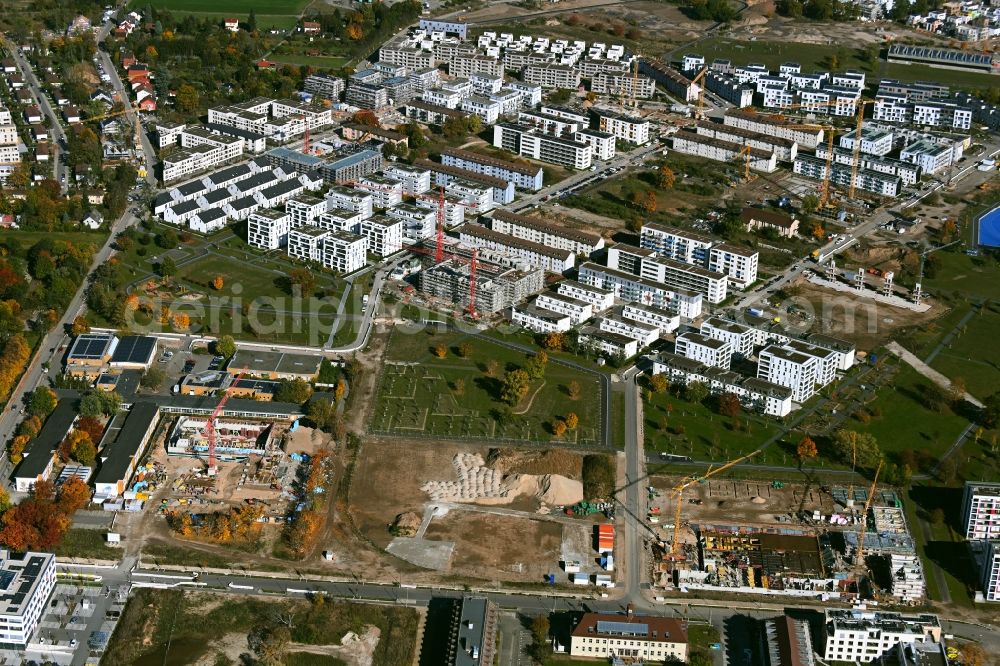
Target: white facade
<point x="539" y="319"/>
<point x="785" y="367"/>
<point x="600" y="299"/>
<point x="385" y="192"/>
<point x="739" y="264"/>
<point x="383" y="234"/>
<point x="306" y="242"/>
<point x="739" y="337"/>
<point x="344" y="251"/>
<point x="865" y="636"/>
<point x="268" y="229"/>
<point x="577" y="311"/>
<point x="703" y="349"/>
<point x="305" y="209"/>
<point x="981" y="510"/>
<point x="487" y="109"/>
<point x="516" y="250"/>
<point x="629" y="287"/>
<point x="602" y="144"/>
<point x="627" y="128"/>
<point x="664" y="320"/>
<point x="990" y="579"/>
<point x="542" y="232"/>
<point x="358" y="201"/>
<point x="28" y="580"/>
<point x="644" y="334"/>
<point x="414" y="179"/>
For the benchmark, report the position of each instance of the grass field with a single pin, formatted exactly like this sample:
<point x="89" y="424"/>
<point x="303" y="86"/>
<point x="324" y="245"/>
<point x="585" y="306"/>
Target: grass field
<point x="173" y="628"/>
<point x="960" y="276"/>
<point x="674" y="425"/>
<point x="817" y="56"/>
<point x="230" y="7"/>
<point x="87" y="543"/>
<point x="323" y="62"/>
<point x="421" y="395"/>
<point x="973" y="355"/>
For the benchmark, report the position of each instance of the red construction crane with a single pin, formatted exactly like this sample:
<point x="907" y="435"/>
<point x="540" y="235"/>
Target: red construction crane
<point x="210" y="427"/>
<point x="473" y="269"/>
<point x="305" y="135"/>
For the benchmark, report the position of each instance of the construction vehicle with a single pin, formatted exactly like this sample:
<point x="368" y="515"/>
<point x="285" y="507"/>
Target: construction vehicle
<point x="210" y="426"/>
<point x="679" y="496"/>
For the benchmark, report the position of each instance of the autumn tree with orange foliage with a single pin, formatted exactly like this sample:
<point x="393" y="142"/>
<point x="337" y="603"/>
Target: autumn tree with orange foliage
<point x="806" y="449"/>
<point x="40" y="521"/>
<point x="92" y="426"/>
<point x="355" y="31"/>
<point x="218" y="283"/>
<point x="12" y="361"/>
<point x="559" y="428"/>
<point x="74" y="494"/>
<point x="572" y="420"/>
<point x="80" y="325"/>
<point x="181" y="321"/>
<point x="16" y="451"/>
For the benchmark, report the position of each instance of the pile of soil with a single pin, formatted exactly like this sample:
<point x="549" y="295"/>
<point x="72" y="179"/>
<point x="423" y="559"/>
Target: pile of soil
<point x="406" y="524"/>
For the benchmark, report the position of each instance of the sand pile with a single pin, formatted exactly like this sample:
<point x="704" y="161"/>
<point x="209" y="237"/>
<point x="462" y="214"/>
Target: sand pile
<point x="406" y="524"/>
<point x="485" y="485"/>
<point x="759" y="500"/>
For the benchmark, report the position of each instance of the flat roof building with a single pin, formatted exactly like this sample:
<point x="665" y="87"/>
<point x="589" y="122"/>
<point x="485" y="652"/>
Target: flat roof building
<point x="275" y="365"/>
<point x="26" y="583"/>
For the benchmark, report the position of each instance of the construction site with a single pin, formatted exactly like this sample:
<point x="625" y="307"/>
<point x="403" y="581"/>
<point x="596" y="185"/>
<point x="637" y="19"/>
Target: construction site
<point x="235" y="440"/>
<point x="788" y="539"/>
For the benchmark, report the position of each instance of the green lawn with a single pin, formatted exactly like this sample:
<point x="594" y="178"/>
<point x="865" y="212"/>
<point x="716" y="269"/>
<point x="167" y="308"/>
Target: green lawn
<point x="229" y="7"/>
<point x="674" y="425"/>
<point x="176" y="628"/>
<point x="973" y="355"/>
<point x="422" y="395"/>
<point x="906" y="422"/>
<point x="323" y="62"/>
<point x="309" y="659"/>
<point x="87" y="543"/>
<point x="28" y="238"/>
<point x="960" y="276"/>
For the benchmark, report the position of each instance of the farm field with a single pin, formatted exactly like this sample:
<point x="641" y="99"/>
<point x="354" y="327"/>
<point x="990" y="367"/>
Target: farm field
<point x="421" y="395"/>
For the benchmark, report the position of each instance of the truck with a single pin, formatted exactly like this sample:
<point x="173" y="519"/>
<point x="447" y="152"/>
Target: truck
<point x="756" y="312"/>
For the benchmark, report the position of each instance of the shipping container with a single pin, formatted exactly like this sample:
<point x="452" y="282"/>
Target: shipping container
<point x="580" y="579"/>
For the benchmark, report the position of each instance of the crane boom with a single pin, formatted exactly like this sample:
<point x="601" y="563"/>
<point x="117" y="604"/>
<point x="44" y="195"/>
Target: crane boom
<point x="210" y="427"/>
<point x="859" y="558"/>
<point x="690" y="481"/>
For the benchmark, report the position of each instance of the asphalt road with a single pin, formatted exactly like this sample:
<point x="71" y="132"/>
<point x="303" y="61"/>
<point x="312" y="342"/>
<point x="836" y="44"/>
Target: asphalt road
<point x="58" y="165"/>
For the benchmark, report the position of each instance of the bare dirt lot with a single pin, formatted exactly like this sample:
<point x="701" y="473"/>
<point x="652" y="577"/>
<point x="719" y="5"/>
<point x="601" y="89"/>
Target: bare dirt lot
<point x="499" y="547"/>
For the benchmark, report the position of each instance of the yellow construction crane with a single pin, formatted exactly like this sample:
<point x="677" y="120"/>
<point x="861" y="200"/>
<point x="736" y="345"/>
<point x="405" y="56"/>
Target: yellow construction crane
<point x="690" y="481"/>
<point x="635" y="81"/>
<point x="859" y="557"/>
<point x="700" y="76"/>
<point x="745" y="154"/>
<point x="856" y="157"/>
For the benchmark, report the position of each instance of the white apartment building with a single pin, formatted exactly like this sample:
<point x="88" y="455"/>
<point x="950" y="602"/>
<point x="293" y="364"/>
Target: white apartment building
<point x="644" y="334"/>
<point x="515" y="250"/>
<point x="324" y="86"/>
<point x="608" y="343"/>
<point x="359" y="201"/>
<point x="530" y="316"/>
<point x="306" y="242"/>
<point x="692" y="143"/>
<point x="339" y="219"/>
<point x="577" y="311"/>
<point x="990" y="580"/>
<point x="305" y="209"/>
<point x="184" y="162"/>
<point x="707" y="351"/>
<point x="785" y="367"/>
<point x="674" y="243"/>
<point x="231" y="147"/>
<point x="809" y="136"/>
<point x="552" y="76"/>
<point x="386" y="192"/>
<point x="665" y="321"/>
<point x="942" y="114"/>
<point x="208" y="220"/>
<point x="865" y="636"/>
<point x="738" y="263"/>
<point x="622" y="85"/>
<point x="26" y="583"/>
<point x="542" y="232"/>
<point x="383" y="234"/>
<point x="601" y="636"/>
<point x="931" y="157"/>
<point x="874" y="140"/>
<point x="415" y="180"/>
<point x="418" y="222"/>
<point x="602" y="144"/>
<point x="754" y="394"/>
<point x="668" y="272"/>
<point x="524" y="177"/>
<point x="600" y="299"/>
<point x="532" y="143"/>
<point x="315" y="117"/>
<point x="487" y="109"/>
<point x="981" y="510"/>
<point x="344" y="251"/>
<point x="739" y="337"/>
<point x="484" y="83"/>
<point x="632" y="288"/>
<point x="627" y="128"/>
<point x="268" y="229"/>
<point x="475" y="195"/>
<point x="530" y="93"/>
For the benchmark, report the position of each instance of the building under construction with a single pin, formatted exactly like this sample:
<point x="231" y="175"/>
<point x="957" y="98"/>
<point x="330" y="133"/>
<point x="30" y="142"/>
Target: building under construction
<point x="234" y="440"/>
<point x="495" y="288"/>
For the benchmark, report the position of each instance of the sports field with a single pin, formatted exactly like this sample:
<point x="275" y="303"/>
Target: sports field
<point x="421" y="395"/>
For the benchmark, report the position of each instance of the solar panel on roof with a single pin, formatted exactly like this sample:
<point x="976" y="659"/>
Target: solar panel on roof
<point x="622" y="628"/>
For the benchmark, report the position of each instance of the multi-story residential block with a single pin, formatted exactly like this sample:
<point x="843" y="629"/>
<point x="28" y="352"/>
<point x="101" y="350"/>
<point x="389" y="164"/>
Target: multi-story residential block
<point x="738" y="263"/>
<point x="673" y="274"/>
<point x="603" y="636"/>
<point x="783" y="149"/>
<point x="599" y="299"/>
<point x="627" y="128"/>
<point x="990" y="571"/>
<point x="268" y="229"/>
<point x="537" y="319"/>
<point x="545" y="233"/>
<point x="386" y="192"/>
<point x="677" y="244"/>
<point x="185" y="162"/>
<point x="602" y="144"/>
<point x="668" y="77"/>
<point x="642" y="333"/>
<point x="692" y="143"/>
<point x="418" y="222"/>
<point x="786" y="367"/>
<point x="516" y="249"/>
<point x="866" y="636"/>
<point x="466" y="66"/>
<point x="632" y="288"/>
<point x="383" y="234"/>
<point x="608" y="343"/>
<point x="485" y="83"/>
<point x="577" y="311"/>
<point x="549" y="123"/>
<point x="754" y="394"/>
<point x="495" y="289"/>
<point x="315" y="117"/>
<point x="359" y="201"/>
<point x="524" y="176"/>
<point x="623" y="85"/>
<point x="231" y="147"/>
<point x="529" y="142"/>
<point x="26" y="583"/>
<point x="530" y="93"/>
<point x="502" y="190"/>
<point x="918" y="91"/>
<point x="456" y="28"/>
<point x="487" y="109"/>
<point x="707" y="351"/>
<point x="884" y="184"/>
<point x="352" y="167"/>
<point x="344" y="251"/>
<point x="367" y="95"/>
<point x="306" y="242"/>
<point x="413" y="58"/>
<point x="415" y="179"/>
<point x="874" y="140"/>
<point x="739" y="337"/>
<point x="167" y="133"/>
<point x="665" y="321"/>
<point x="804" y="135"/>
<point x="305" y="209"/>
<point x="931" y="157"/>
<point x="552" y="76"/>
<point x="981" y="510"/>
<point x="729" y="88"/>
<point x="324" y="86"/>
<point x="475" y="195"/>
